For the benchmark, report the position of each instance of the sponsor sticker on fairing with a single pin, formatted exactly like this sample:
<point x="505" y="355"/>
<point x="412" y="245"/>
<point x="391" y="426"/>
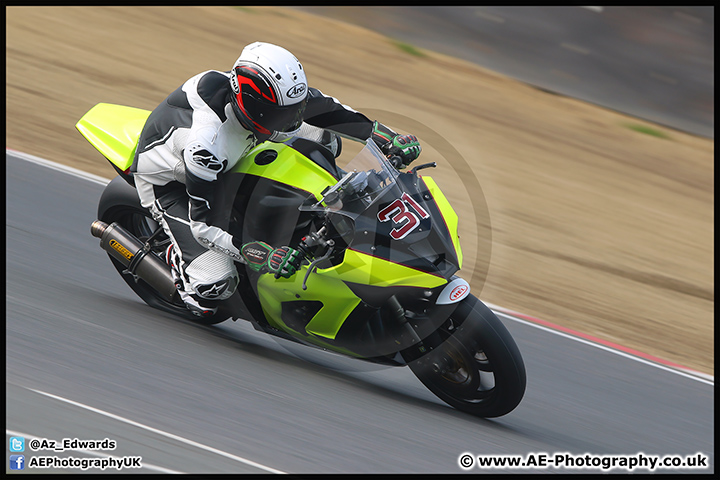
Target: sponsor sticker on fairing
<point x="454" y="292"/>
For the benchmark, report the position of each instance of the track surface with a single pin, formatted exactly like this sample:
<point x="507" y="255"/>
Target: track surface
<point x="216" y="399"/>
<point x="655" y="63"/>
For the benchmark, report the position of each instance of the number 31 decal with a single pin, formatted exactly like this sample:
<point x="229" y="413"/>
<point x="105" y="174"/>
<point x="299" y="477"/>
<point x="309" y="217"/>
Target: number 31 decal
<point x="405" y="219"/>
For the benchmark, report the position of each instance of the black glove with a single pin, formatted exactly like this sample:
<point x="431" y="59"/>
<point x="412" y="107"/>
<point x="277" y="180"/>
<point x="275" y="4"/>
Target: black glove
<point x="407" y="147"/>
<point x="261" y="257"/>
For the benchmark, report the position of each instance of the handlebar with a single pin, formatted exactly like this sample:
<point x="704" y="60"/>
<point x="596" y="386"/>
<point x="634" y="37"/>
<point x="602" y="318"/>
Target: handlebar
<point x="396" y="161"/>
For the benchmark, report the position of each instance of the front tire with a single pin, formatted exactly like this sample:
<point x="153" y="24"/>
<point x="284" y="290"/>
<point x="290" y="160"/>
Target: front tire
<point x="478" y="368"/>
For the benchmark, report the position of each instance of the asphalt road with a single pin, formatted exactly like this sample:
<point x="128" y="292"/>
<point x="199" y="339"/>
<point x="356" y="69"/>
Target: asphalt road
<point x="655" y="63"/>
<point x="86" y="359"/>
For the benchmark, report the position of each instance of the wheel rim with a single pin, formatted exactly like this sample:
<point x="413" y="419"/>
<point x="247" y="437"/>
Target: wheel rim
<point x="465" y="375"/>
<point x="473" y="363"/>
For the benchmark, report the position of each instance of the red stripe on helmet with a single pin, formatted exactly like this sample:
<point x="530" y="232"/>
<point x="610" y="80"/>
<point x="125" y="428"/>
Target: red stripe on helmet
<point x="242" y="80"/>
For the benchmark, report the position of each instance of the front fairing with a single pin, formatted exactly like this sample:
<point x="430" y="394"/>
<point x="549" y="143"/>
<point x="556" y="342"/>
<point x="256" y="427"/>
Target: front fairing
<point x="390" y="216"/>
<point x="408" y="229"/>
<point x="393" y="234"/>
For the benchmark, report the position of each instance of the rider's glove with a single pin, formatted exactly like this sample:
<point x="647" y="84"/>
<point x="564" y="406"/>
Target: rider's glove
<point x="407" y="147"/>
<point x="284" y="262"/>
<point x="261" y="257"/>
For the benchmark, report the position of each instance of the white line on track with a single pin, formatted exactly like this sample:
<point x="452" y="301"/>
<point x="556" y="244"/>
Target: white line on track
<point x="149" y="466"/>
<point x="701" y="377"/>
<point x="663" y="78"/>
<point x="164" y="434"/>
<point x="688" y="17"/>
<point x="575" y="48"/>
<point x="489" y="16"/>
<point x="59" y="167"/>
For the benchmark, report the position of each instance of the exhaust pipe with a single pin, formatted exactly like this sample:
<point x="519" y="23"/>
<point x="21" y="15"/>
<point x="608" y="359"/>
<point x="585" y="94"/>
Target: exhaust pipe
<point x="141" y="263"/>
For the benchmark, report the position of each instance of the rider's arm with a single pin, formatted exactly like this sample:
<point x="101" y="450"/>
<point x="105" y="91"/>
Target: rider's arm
<point x="202" y="175"/>
<point x="327" y="112"/>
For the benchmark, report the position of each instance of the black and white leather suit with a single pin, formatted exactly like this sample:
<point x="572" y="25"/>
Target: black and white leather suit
<point x="189" y="141"/>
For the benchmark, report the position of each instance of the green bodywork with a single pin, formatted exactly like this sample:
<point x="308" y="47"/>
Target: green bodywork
<point x="327" y="286"/>
<point x="449" y="215"/>
<point x="114" y="130"/>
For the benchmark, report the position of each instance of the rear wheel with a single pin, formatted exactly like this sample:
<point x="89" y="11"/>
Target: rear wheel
<point x="140" y="223"/>
<point x="477" y="368"/>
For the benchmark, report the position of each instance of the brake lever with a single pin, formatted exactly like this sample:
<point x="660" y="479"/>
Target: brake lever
<point x="313" y="264"/>
<point x="424" y="165"/>
<point x="310" y="241"/>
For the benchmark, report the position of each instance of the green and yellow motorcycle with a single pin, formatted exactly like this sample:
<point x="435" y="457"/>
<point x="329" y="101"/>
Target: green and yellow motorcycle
<point x="378" y="283"/>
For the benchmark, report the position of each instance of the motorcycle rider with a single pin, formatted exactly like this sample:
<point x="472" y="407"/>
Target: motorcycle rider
<point x="202" y="129"/>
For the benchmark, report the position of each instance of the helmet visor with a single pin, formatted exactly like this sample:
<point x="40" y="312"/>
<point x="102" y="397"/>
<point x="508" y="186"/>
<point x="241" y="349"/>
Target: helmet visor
<point x="271" y="116"/>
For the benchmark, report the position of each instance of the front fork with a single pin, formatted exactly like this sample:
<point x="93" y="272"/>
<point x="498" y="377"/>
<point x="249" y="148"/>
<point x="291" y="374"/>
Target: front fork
<point x="399" y="313"/>
<point x="445" y="302"/>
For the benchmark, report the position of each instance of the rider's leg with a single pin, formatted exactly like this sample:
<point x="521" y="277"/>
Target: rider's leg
<point x="204" y="277"/>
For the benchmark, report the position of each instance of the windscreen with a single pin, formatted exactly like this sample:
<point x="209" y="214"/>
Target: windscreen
<point x="387" y="214"/>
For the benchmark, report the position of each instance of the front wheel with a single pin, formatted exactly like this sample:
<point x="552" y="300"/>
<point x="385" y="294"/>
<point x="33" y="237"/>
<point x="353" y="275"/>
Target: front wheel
<point x="478" y="368"/>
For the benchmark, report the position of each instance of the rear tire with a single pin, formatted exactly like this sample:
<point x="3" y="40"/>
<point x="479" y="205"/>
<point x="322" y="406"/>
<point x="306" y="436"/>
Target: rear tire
<point x="138" y="221"/>
<point x="478" y="368"/>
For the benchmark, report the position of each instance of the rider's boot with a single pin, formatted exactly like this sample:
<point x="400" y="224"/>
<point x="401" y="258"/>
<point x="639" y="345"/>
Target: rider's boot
<point x="199" y="307"/>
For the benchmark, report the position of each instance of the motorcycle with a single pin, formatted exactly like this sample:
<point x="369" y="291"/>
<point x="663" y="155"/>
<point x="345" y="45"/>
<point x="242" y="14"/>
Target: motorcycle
<point x="381" y="252"/>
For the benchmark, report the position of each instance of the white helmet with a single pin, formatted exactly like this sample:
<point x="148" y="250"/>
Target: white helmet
<point x="270" y="90"/>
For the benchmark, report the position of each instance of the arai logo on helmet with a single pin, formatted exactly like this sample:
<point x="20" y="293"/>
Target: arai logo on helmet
<point x="296" y="90"/>
<point x="234" y="84"/>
